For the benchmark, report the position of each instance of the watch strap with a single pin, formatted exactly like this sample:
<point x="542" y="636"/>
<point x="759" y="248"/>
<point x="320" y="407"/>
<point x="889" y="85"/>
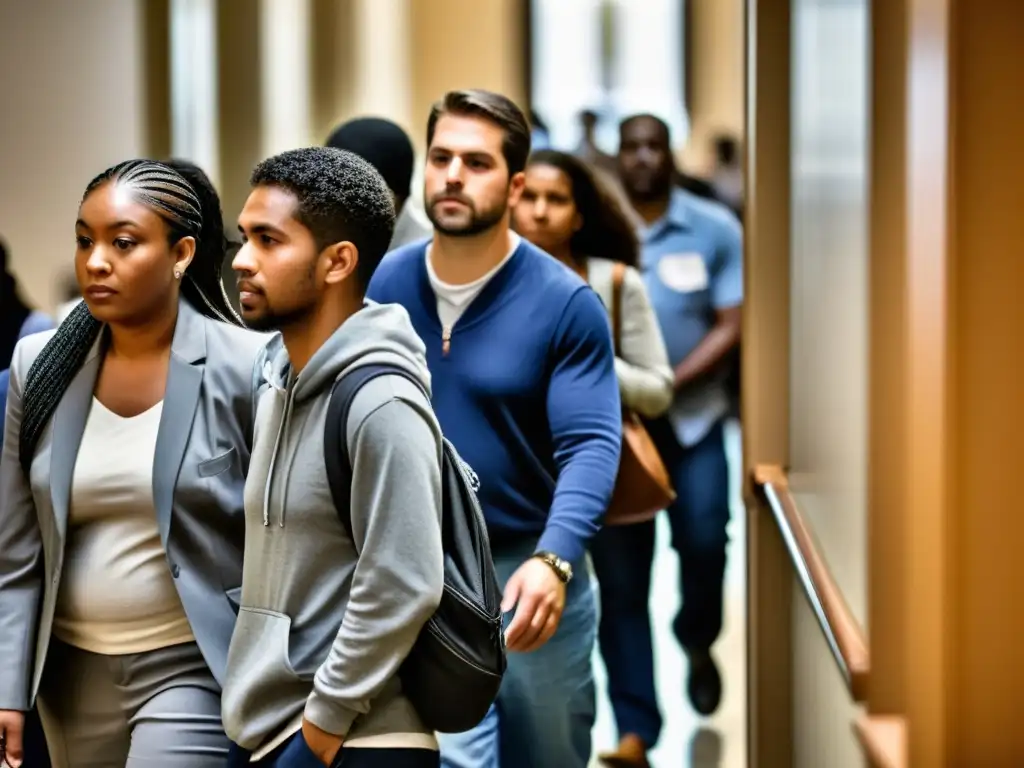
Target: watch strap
<point x="561" y="568"/>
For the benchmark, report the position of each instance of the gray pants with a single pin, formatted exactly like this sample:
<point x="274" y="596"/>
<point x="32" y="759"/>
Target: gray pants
<point x="148" y="710"/>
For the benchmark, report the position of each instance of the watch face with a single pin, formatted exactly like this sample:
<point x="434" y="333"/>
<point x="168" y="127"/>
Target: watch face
<point x="564" y="568"/>
<point x="560" y="566"/>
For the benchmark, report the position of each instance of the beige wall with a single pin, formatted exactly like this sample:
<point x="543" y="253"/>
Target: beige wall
<point x="83" y="106"/>
<point x="464" y="44"/>
<point x="394" y="58"/>
<point x="240" y="97"/>
<point x="716" y="77"/>
<point x="366" y="63"/>
<point x="986" y="276"/>
<point x="72" y="104"/>
<point x="946" y="487"/>
<point x="822" y="710"/>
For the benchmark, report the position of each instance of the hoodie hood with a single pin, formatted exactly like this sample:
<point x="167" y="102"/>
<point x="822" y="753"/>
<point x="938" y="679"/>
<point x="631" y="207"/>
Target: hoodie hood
<point x="378" y="333"/>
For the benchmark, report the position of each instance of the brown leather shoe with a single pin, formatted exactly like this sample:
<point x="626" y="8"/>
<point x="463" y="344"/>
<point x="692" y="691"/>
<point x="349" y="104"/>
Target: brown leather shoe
<point x="631" y="753"/>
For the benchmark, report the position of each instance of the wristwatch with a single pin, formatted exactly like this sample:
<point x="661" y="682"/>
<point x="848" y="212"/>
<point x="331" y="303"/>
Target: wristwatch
<point x="562" y="568"/>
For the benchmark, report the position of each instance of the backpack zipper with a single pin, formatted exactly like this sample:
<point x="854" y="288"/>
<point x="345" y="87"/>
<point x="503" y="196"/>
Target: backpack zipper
<point x="436" y="633"/>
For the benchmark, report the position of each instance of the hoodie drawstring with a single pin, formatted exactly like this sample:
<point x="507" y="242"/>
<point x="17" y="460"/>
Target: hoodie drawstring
<point x="289" y="394"/>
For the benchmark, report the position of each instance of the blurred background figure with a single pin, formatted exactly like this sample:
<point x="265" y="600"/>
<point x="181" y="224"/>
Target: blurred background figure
<point x="603" y="165"/>
<point x="727" y="176"/>
<point x="387" y="148"/>
<point x="588" y="149"/>
<point x="17" y="317"/>
<point x="17" y="320"/>
<point x="692" y="260"/>
<point x="540" y="137"/>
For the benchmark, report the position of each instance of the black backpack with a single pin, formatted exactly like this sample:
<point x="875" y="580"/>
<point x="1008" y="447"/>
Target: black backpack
<point x="454" y="670"/>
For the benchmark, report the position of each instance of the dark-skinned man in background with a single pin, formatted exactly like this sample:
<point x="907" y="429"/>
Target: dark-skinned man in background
<point x="692" y="265"/>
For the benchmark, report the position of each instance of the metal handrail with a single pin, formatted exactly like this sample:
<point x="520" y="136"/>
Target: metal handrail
<point x="842" y="631"/>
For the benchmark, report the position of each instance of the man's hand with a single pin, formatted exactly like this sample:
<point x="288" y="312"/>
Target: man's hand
<point x="709" y="354"/>
<point x="323" y="744"/>
<point x="12" y="724"/>
<point x="538" y="596"/>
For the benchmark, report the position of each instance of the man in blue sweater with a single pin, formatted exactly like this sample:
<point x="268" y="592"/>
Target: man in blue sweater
<point x="523" y="379"/>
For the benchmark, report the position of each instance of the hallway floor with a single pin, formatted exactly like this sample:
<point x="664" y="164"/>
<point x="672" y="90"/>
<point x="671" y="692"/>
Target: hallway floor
<point x="689" y="741"/>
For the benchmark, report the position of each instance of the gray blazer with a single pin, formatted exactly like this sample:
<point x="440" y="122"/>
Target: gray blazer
<point x="202" y="456"/>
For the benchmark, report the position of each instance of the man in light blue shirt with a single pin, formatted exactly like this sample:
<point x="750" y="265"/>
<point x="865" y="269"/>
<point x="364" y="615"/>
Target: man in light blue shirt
<point x="692" y="265"/>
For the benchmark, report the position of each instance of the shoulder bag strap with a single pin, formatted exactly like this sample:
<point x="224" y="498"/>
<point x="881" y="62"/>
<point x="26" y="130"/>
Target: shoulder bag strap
<point x="618" y="276"/>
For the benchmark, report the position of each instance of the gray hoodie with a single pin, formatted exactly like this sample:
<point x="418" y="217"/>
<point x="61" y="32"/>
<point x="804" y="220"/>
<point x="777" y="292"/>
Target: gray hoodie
<point x="325" y="621"/>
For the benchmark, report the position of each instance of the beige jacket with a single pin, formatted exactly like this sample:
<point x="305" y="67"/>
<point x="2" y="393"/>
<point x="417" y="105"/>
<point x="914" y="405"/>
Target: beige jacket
<point x="642" y="367"/>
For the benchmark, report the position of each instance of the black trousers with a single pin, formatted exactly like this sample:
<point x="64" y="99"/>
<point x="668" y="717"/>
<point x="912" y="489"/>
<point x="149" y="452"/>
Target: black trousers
<point x="36" y="754"/>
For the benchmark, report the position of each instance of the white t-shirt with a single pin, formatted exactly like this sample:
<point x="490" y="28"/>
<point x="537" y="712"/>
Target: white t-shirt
<point x="117" y="595"/>
<point x="454" y="300"/>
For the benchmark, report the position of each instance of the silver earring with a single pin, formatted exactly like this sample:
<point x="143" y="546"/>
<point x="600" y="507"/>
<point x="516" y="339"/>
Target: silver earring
<point x="177" y="274"/>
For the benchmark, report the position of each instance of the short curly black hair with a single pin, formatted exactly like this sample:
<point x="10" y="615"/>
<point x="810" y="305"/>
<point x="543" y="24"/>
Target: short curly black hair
<point x="341" y="197"/>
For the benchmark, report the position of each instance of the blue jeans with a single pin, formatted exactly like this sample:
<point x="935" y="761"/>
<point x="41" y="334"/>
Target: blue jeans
<point x="623" y="556"/>
<point x="295" y="753"/>
<point x="546" y="706"/>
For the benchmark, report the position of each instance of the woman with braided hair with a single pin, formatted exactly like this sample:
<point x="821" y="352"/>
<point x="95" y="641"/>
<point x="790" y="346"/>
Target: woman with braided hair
<point x="121" y="479"/>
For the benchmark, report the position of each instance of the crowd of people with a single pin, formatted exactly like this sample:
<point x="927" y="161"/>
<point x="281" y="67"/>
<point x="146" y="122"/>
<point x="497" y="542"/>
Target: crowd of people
<point x="179" y="585"/>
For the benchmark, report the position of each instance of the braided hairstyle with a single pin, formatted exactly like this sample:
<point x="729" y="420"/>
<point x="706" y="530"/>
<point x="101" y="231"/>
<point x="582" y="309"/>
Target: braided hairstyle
<point x="207" y="268"/>
<point x="173" y="198"/>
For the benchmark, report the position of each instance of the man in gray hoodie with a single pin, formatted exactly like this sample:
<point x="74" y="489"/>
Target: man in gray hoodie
<point x="326" y="621"/>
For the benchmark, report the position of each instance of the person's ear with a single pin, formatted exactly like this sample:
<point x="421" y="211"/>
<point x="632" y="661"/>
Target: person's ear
<point x="342" y="259"/>
<point x="516" y="185"/>
<point x="183" y="252"/>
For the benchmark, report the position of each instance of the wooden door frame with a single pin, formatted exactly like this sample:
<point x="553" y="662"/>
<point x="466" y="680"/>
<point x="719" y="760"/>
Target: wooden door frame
<point x="765" y="372"/>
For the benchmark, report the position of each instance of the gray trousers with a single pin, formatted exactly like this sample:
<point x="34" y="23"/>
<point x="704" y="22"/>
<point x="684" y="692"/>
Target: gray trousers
<point x="148" y="710"/>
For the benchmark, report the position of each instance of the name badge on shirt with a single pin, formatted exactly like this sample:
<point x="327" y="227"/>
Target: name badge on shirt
<point x="683" y="272"/>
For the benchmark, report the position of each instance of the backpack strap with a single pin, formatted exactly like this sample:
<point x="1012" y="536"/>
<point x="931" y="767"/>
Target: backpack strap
<point x="339" y="463"/>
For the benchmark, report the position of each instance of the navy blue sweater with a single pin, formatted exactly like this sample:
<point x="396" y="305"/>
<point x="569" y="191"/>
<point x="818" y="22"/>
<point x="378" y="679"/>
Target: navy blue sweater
<point x="527" y="393"/>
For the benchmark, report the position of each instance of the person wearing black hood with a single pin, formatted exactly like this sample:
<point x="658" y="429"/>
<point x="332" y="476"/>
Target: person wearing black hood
<point x="17" y="318"/>
<point x="388" y="148"/>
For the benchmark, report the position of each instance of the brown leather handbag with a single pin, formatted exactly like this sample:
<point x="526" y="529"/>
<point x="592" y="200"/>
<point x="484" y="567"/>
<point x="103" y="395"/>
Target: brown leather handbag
<point x="642" y="488"/>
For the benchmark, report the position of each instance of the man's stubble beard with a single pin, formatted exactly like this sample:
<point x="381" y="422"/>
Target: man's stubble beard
<point x="272" y="320"/>
<point x="479" y="221"/>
